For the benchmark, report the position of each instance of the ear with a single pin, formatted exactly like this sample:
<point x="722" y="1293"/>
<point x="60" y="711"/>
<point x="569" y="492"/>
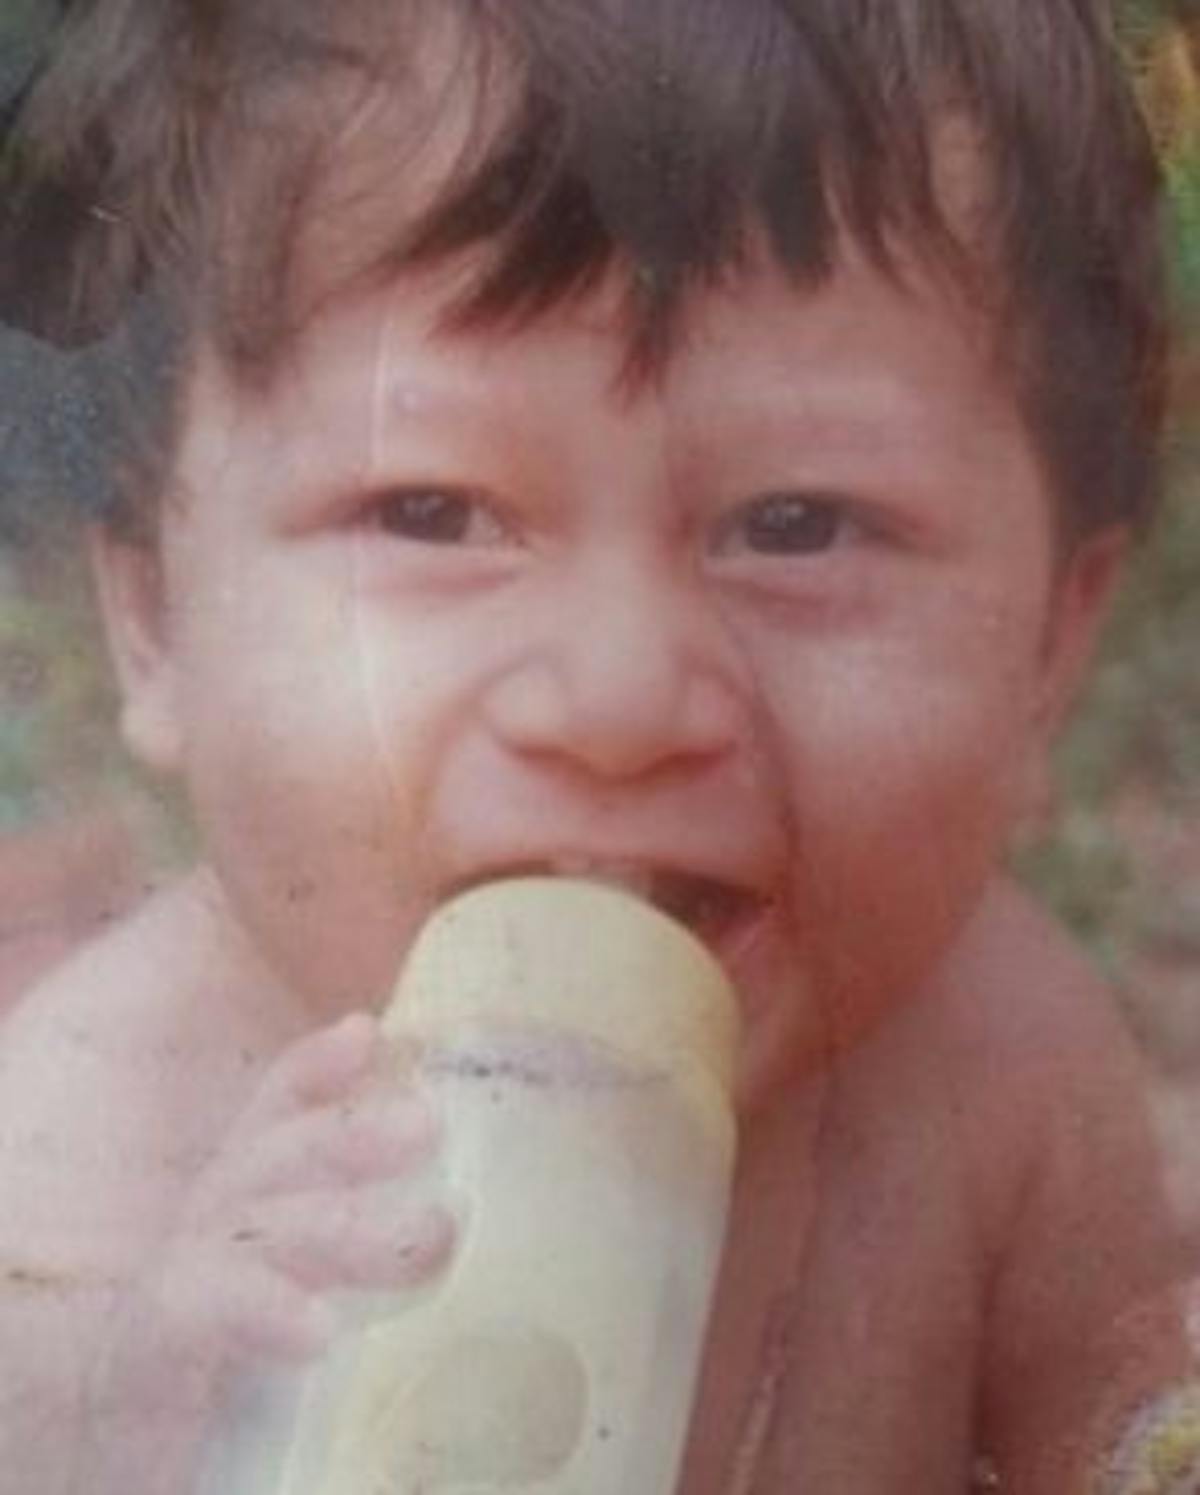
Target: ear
<point x="1086" y="583"/>
<point x="132" y="596"/>
<point x="1083" y="591"/>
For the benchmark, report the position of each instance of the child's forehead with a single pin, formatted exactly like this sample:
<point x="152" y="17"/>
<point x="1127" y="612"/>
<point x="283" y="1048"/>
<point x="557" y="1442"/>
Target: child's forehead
<point x="864" y="359"/>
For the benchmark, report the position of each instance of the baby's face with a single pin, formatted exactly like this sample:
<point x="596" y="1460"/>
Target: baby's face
<point x="775" y="640"/>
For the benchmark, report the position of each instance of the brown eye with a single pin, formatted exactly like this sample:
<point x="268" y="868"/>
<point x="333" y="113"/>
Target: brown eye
<point x="787" y="524"/>
<point x="434" y="516"/>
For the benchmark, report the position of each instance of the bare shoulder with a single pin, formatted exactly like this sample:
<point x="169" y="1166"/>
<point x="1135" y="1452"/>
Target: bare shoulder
<point x="1054" y="1093"/>
<point x="105" y="1007"/>
<point x="1025" y="1005"/>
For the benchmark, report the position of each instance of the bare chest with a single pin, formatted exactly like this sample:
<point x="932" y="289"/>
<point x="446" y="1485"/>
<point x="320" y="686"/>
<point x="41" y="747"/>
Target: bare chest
<point x="860" y="1376"/>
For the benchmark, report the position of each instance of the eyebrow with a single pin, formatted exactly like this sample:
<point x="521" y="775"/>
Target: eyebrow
<point x="852" y="407"/>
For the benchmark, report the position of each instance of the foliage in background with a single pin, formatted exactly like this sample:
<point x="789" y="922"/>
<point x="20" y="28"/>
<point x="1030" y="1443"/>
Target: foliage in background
<point x="56" y="738"/>
<point x="1122" y="861"/>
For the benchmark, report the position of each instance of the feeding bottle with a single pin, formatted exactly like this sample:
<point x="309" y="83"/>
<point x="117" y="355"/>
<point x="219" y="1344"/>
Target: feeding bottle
<point x="579" y="1047"/>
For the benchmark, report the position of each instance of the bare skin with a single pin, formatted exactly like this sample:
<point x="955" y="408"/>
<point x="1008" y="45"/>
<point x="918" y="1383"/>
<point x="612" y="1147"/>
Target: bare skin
<point x="914" y="1230"/>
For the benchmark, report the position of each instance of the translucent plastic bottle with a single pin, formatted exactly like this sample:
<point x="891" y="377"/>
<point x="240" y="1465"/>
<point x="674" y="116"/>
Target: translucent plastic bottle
<point x="579" y="1046"/>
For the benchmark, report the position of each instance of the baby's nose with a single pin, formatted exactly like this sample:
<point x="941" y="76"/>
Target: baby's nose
<point x="631" y="677"/>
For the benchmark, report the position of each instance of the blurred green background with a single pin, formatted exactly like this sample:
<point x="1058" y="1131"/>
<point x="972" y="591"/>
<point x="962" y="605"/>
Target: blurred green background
<point x="1121" y="861"/>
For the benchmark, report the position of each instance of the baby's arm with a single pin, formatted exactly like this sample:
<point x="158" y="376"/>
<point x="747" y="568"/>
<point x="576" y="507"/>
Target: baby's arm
<point x="173" y="1289"/>
<point x="76" y="1218"/>
<point x="1082" y="1324"/>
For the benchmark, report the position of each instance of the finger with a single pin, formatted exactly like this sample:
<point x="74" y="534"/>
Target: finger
<point x="385" y="1134"/>
<point x="364" y="1239"/>
<point x="320" y="1069"/>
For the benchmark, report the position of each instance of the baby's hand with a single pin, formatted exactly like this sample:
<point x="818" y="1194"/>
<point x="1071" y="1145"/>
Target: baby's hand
<point x="314" y="1191"/>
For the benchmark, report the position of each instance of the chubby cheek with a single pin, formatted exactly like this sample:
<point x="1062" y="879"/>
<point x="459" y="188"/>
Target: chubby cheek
<point x="308" y="787"/>
<point x="905" y="781"/>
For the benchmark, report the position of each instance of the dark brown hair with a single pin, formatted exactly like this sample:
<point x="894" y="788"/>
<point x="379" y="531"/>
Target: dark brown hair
<point x="189" y="151"/>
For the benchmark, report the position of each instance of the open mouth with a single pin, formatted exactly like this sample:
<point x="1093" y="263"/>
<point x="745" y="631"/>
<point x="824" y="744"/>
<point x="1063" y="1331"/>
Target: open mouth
<point x="713" y="910"/>
<point x="719" y="913"/>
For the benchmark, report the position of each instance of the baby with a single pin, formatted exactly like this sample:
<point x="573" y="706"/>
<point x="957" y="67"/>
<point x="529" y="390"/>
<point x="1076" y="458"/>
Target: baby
<point x="686" y="443"/>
